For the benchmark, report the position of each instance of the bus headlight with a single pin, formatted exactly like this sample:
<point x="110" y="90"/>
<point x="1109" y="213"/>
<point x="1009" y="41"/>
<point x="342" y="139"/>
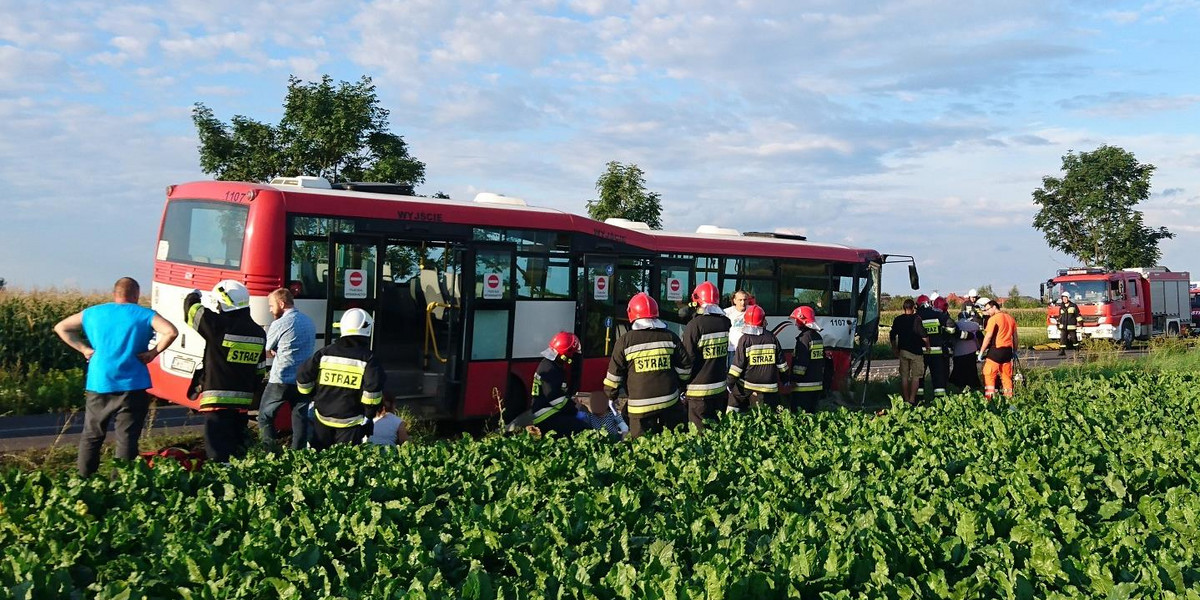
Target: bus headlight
<point x="1102" y="320"/>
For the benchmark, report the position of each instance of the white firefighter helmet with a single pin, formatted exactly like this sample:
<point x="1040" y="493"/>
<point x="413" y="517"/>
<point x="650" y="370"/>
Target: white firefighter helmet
<point x="973" y="293"/>
<point x="356" y="321"/>
<point x="230" y="295"/>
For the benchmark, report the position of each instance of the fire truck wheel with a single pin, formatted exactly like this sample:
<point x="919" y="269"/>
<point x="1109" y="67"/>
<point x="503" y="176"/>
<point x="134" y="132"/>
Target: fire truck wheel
<point x="1127" y="336"/>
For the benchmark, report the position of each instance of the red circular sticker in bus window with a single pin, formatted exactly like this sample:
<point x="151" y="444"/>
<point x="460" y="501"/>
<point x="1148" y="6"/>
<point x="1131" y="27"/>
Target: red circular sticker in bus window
<point x="491" y="287"/>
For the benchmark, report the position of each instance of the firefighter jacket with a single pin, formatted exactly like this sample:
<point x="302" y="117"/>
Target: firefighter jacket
<point x="758" y="363"/>
<point x="706" y="346"/>
<point x="649" y="364"/>
<point x="345" y="380"/>
<point x="550" y="393"/>
<point x="233" y="355"/>
<point x="808" y="362"/>
<point x="1068" y="317"/>
<point x="940" y="329"/>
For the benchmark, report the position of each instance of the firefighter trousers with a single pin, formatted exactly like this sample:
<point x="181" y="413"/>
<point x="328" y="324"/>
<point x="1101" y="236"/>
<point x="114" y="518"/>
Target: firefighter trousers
<point x="656" y="420"/>
<point x="938" y="366"/>
<point x="705" y="408"/>
<point x="325" y="436"/>
<point x="224" y="434"/>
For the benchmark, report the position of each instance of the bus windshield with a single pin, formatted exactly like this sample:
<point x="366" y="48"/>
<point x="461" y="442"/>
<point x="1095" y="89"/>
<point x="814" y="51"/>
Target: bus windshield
<point x="204" y="233"/>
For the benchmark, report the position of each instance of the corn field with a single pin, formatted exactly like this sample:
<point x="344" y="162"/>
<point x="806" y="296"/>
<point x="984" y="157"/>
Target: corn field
<point x="1026" y="317"/>
<point x="27" y="327"/>
<point x="38" y="372"/>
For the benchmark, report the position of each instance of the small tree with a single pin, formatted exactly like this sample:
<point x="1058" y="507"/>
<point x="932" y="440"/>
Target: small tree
<point x="336" y="132"/>
<point x="1089" y="212"/>
<point x="2" y="282"/>
<point x="623" y="194"/>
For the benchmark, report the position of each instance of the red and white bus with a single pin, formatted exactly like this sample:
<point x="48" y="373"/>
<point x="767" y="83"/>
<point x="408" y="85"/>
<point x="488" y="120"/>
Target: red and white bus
<point x="466" y="295"/>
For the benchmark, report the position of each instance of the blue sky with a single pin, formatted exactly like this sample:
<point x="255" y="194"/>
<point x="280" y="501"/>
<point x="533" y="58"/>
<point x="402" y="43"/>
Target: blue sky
<point x="913" y="127"/>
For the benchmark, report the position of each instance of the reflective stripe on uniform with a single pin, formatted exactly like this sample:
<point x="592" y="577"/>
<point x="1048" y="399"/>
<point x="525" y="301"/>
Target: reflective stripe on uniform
<point x="305" y="388"/>
<point x="545" y="413"/>
<point x="735" y="371"/>
<point x="933" y="350"/>
<point x="372" y="398"/>
<point x="807" y="386"/>
<point x="645" y="405"/>
<point x="192" y="312"/>
<point x="340" y="423"/>
<point x="696" y="390"/>
<point x="210" y="397"/>
<point x="636" y="349"/>
<point x="761" y="387"/>
<point x="613" y="381"/>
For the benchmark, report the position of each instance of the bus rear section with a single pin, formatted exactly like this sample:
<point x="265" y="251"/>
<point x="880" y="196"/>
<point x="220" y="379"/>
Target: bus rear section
<point x="201" y="242"/>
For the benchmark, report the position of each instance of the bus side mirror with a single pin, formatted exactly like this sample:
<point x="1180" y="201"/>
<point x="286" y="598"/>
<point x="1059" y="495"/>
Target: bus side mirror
<point x="914" y="280"/>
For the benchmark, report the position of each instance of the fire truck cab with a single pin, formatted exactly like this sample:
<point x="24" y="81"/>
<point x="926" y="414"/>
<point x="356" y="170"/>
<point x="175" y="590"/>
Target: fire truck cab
<point x="1121" y="305"/>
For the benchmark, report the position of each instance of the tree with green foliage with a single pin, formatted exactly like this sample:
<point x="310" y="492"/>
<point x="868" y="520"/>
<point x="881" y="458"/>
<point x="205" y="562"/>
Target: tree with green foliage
<point x="623" y="194"/>
<point x="336" y="132"/>
<point x="1089" y="213"/>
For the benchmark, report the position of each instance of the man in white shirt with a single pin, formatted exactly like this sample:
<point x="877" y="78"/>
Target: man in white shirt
<point x="737" y="316"/>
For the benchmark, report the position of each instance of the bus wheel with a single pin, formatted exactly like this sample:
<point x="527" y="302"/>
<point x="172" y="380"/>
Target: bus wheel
<point x="1127" y="336"/>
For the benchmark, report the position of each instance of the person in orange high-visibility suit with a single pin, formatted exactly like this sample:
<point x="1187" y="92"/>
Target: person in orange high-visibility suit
<point x="999" y="347"/>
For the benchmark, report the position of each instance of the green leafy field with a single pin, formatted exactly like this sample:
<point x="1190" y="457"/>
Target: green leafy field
<point x="1088" y="487"/>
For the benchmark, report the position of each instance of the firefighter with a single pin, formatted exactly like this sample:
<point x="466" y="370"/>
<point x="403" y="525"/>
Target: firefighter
<point x="940" y="328"/>
<point x="233" y="365"/>
<point x="949" y="331"/>
<point x="973" y="312"/>
<point x="808" y="361"/>
<point x="705" y="346"/>
<point x="648" y="363"/>
<point x="346" y="383"/>
<point x="758" y="365"/>
<point x="552" y="406"/>
<point x="1068" y="324"/>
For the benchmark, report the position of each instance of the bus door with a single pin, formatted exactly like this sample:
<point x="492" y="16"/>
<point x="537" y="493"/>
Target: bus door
<point x="353" y="279"/>
<point x="596" y="318"/>
<point x="674" y="292"/>
<point x="488" y="305"/>
<point x="418" y="335"/>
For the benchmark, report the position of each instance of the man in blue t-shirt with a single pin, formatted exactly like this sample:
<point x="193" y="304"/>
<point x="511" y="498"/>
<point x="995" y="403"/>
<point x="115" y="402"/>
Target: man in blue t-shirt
<point x="116" y="344"/>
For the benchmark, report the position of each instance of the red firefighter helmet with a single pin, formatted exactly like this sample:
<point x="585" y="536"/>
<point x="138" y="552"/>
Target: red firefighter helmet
<point x="642" y="306"/>
<point x="755" y="317"/>
<point x="705" y="293"/>
<point x="941" y="304"/>
<point x="803" y="315"/>
<point x="922" y="300"/>
<point x="565" y="344"/>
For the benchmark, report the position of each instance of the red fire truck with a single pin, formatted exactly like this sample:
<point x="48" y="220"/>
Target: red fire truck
<point x="1122" y="305"/>
<point x="1195" y="292"/>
